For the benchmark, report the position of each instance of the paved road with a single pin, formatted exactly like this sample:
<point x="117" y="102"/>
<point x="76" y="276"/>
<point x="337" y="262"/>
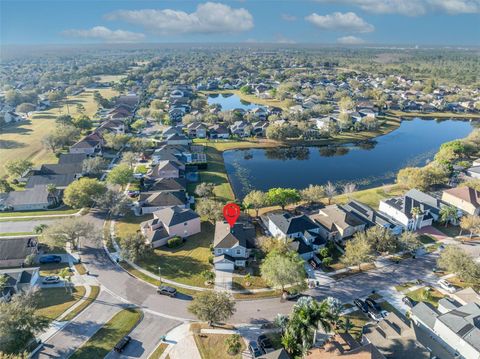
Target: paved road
<point x="22" y="226"/>
<point x="145" y="337"/>
<point x="74" y="334"/>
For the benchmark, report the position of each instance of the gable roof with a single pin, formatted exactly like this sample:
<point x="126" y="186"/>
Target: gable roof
<point x="414" y="199"/>
<point x="242" y="234"/>
<point x="60" y="168"/>
<point x="289" y="224"/>
<point x="34" y="195"/>
<point x="169" y="184"/>
<point x="175" y="215"/>
<point x="338" y="216"/>
<point x="59" y="180"/>
<point x="66" y="158"/>
<point x="160" y="199"/>
<point x="17" y="248"/>
<point x="466" y="194"/>
<point x="465" y="322"/>
<point x="368" y="214"/>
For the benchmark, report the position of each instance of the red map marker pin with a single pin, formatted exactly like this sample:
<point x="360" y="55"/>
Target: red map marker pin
<point x="231" y="212"/>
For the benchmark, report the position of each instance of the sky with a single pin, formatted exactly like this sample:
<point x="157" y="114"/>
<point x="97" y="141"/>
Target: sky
<point x="343" y="22"/>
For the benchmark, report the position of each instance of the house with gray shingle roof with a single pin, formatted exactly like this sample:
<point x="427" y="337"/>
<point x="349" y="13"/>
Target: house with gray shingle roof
<point x="232" y="246"/>
<point x="14" y="250"/>
<point x="18" y="279"/>
<point x="35" y="198"/>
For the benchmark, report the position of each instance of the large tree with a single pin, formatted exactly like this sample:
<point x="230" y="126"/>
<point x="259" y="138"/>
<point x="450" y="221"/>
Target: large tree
<point x="209" y="208"/>
<point x="116" y="202"/>
<point x="449" y="214"/>
<point x="94" y="165"/>
<point x="212" y="306"/>
<point x="70" y="230"/>
<point x="330" y="191"/>
<point x="282" y="196"/>
<point x="16" y="168"/>
<point x="256" y="200"/>
<point x="455" y="260"/>
<point x="205" y="189"/>
<point x="312" y="194"/>
<point x="470" y="224"/>
<point x="381" y="239"/>
<point x="409" y="241"/>
<point x="282" y="269"/>
<point x="120" y="175"/>
<point x="134" y="247"/>
<point x="116" y="140"/>
<point x="357" y="251"/>
<point x="83" y="192"/>
<point x="20" y="322"/>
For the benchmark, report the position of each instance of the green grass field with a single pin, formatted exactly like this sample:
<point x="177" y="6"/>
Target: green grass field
<point x="52" y="302"/>
<point x="103" y="341"/>
<point x="212" y="346"/>
<point x="24" y="139"/>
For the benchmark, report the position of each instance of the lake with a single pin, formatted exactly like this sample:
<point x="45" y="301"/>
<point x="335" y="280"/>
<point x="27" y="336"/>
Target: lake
<point x="230" y="102"/>
<point x="368" y="165"/>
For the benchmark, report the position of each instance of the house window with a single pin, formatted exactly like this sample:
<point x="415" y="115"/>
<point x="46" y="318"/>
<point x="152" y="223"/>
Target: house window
<point x="238" y="252"/>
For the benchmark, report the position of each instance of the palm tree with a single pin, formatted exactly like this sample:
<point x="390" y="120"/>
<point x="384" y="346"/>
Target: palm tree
<point x="52" y="192"/>
<point x="448" y="214"/>
<point x="416" y="212"/>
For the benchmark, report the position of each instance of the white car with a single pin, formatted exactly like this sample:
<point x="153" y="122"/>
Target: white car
<point x="447" y="286"/>
<point x="53" y="279"/>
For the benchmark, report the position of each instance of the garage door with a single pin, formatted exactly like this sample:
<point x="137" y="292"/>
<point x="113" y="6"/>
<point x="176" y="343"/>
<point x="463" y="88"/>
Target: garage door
<point x="225" y="266"/>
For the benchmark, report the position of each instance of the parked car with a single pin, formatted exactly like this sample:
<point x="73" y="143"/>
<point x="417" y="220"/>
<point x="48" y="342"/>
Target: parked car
<point x="120" y="347"/>
<point x="52" y="279"/>
<point x="254" y="349"/>
<point x="51" y="258"/>
<point x="409" y="302"/>
<point x="164" y="290"/>
<point x="447" y="286"/>
<point x="138" y="175"/>
<point x="361" y="305"/>
<point x="265" y="343"/>
<point x="133" y="193"/>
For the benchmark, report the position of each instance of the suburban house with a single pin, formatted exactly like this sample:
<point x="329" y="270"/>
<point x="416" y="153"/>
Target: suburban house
<point x="167" y="185"/>
<point x="178" y="139"/>
<point x="218" y="132"/>
<point x="401" y="209"/>
<point x="474" y="172"/>
<point x="13" y="251"/>
<point x="113" y="126"/>
<point x="340" y="223"/>
<point x="454" y="326"/>
<point x="464" y="198"/>
<point x="60" y="181"/>
<point x="150" y="202"/>
<point x="232" y="246"/>
<point x="260" y="128"/>
<point x="35" y="198"/>
<point x="166" y="169"/>
<point x="307" y="235"/>
<point x="240" y="129"/>
<point x="394" y="338"/>
<point x="171" y="130"/>
<point x="18" y="279"/>
<point x="197" y="129"/>
<point x="168" y="223"/>
<point x="372" y="217"/>
<point x="89" y="145"/>
<point x="67" y="158"/>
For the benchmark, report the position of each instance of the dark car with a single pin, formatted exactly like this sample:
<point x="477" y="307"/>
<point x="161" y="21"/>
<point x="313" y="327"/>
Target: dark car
<point x="265" y="343"/>
<point x="51" y="258"/>
<point x="373" y="305"/>
<point x="361" y="305"/>
<point x="254" y="349"/>
<point x="164" y="290"/>
<point x="409" y="302"/>
<point x="120" y="347"/>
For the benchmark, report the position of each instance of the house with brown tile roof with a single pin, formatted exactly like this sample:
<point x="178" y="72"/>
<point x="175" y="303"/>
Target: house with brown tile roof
<point x="464" y="198"/>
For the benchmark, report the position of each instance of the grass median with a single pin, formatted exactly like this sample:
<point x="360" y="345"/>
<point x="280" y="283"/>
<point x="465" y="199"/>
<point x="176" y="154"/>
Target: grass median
<point x="103" y="341"/>
<point x="95" y="290"/>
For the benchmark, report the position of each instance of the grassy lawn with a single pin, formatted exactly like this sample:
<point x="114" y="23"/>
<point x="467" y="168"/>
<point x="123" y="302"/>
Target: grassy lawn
<point x="457" y="282"/>
<point x="371" y="196"/>
<point x="153" y="281"/>
<point x="434" y="114"/>
<point x="24" y="139"/>
<point x="432" y="298"/>
<point x="354" y="271"/>
<point x="157" y="353"/>
<point x="89" y="300"/>
<point x="80" y="268"/>
<point x="335" y="254"/>
<point x="449" y="230"/>
<point x="212" y="346"/>
<point x="404" y="286"/>
<point x="259" y="295"/>
<point x="52" y="212"/>
<point x="425" y="239"/>
<point x="9" y="234"/>
<point x="357" y="320"/>
<point x="129" y="225"/>
<point x="103" y="341"/>
<point x="51" y="302"/>
<point x="47" y="269"/>
<point x="183" y="264"/>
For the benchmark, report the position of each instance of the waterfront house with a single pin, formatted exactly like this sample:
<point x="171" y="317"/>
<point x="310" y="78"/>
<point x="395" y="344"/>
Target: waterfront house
<point x="232" y="246"/>
<point x="240" y="129"/>
<point x="340" y="223"/>
<point x="464" y="198"/>
<point x="166" y="169"/>
<point x="218" y="132"/>
<point x="178" y="139"/>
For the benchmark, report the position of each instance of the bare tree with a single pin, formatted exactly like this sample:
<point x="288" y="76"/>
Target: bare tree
<point x="330" y="191"/>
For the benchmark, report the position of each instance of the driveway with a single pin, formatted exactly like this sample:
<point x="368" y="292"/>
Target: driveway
<point x="223" y="279"/>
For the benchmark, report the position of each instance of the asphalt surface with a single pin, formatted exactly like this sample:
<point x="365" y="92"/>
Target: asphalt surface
<point x="22" y="226"/>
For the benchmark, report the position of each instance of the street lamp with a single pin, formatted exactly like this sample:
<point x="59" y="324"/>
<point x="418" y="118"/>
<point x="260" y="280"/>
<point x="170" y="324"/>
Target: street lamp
<point x="159" y="274"/>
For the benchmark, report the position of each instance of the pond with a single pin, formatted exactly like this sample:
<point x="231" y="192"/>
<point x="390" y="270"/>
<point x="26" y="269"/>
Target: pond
<point x="368" y="165"/>
<point x="230" y="101"/>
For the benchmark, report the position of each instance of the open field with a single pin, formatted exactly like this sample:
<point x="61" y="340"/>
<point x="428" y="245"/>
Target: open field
<point x="52" y="302"/>
<point x="24" y="139"/>
<point x="103" y="341"/>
